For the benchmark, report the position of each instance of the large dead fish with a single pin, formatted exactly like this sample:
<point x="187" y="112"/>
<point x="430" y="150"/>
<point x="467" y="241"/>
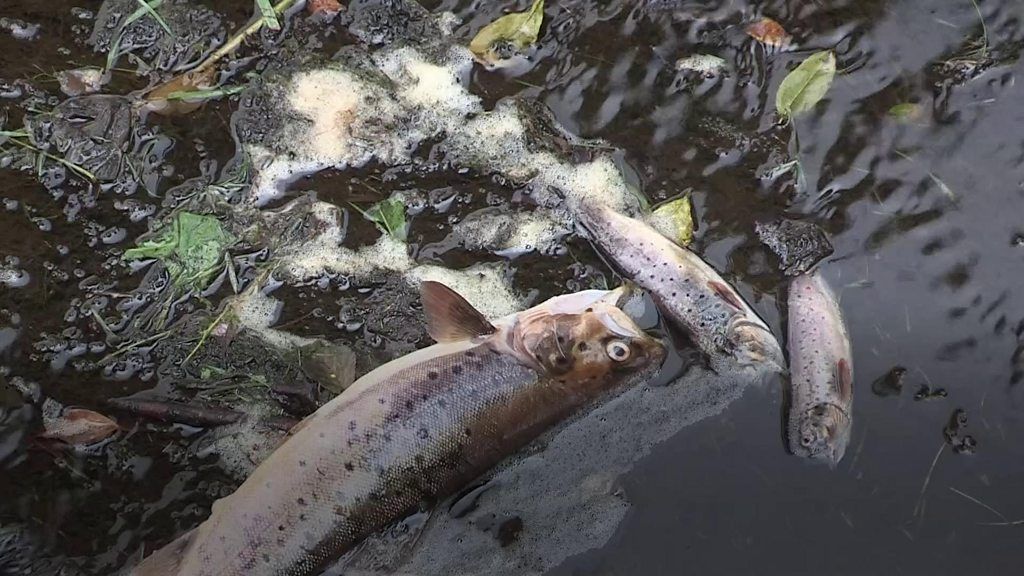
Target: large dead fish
<point x="821" y="372"/>
<point x="687" y="289"/>
<point x="414" y="431"/>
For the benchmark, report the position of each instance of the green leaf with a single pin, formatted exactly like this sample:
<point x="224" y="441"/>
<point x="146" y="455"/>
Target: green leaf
<point x="905" y="112"/>
<point x="389" y="216"/>
<point x="192" y="248"/>
<point x="148" y="8"/>
<point x="674" y="219"/>
<point x="268" y="14"/>
<point x="520" y="29"/>
<point x="806" y="85"/>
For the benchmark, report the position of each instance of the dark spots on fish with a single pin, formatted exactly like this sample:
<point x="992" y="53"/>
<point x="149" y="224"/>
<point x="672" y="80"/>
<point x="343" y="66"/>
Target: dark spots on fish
<point x="423" y="434"/>
<point x="266" y="558"/>
<point x="457" y="369"/>
<point x="470" y="354"/>
<point x="582" y="346"/>
<point x="589" y="310"/>
<point x="468" y="432"/>
<point x="381" y="400"/>
<point x="409" y="404"/>
<point x="302" y="517"/>
<point x="352" y="425"/>
<point x="432" y="375"/>
<point x="300" y="501"/>
<point x="280" y="527"/>
<point x="349" y="466"/>
<point x="302" y="463"/>
<point x="673" y="294"/>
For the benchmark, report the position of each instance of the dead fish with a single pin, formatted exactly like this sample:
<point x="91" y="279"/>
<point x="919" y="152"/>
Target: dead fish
<point x="413" y="431"/>
<point x="821" y="372"/>
<point x="687" y="289"/>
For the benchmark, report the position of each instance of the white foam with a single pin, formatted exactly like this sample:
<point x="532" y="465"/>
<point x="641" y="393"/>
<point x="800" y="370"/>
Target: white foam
<point x="257" y="312"/>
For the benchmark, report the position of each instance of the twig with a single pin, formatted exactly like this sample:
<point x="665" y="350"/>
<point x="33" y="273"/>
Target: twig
<point x="134" y="345"/>
<point x="74" y="167"/>
<point x="984" y="29"/>
<point x="240" y="37"/>
<point x="206" y="333"/>
<point x="928" y="478"/>
<point x="1014" y="523"/>
<point x="979" y="503"/>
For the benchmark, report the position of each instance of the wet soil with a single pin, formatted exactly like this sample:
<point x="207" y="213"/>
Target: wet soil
<point x="924" y="217"/>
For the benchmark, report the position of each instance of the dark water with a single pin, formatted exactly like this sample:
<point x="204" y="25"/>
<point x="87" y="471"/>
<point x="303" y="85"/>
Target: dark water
<point x="925" y="217"/>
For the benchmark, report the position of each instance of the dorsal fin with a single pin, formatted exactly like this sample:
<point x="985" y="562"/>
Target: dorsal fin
<point x="844" y="380"/>
<point x="449" y="317"/>
<point x="727" y="294"/>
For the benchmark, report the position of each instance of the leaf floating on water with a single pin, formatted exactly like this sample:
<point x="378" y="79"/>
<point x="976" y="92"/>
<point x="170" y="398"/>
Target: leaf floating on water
<point x="389" y="216"/>
<point x="705" y="64"/>
<point x="806" y="85"/>
<point x="268" y="14"/>
<point x="906" y="112"/>
<point x="769" y="32"/>
<point x="333" y="366"/>
<point x="674" y="219"/>
<point x="192" y="248"/>
<point x="79" y="426"/>
<point x="166" y="98"/>
<point x="520" y="29"/>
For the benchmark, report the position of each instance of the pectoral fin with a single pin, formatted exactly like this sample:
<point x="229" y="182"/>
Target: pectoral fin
<point x="844" y="380"/>
<point x="727" y="294"/>
<point x="449" y="317"/>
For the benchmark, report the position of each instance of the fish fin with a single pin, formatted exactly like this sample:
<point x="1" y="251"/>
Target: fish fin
<point x="727" y="294"/>
<point x="844" y="380"/>
<point x="449" y="317"/>
<point x="167" y="560"/>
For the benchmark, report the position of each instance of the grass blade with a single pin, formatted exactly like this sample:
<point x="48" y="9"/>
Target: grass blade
<point x="269" y="14"/>
<point x="148" y="8"/>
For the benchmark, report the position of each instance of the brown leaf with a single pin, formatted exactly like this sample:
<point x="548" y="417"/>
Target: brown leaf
<point x="325" y="7"/>
<point x="769" y="32"/>
<point x="156" y="99"/>
<point x="80" y="426"/>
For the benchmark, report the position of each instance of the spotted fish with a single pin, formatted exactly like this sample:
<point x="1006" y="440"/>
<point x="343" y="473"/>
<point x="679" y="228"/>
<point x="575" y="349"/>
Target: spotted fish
<point x="413" y="431"/>
<point x="687" y="289"/>
<point x="821" y="373"/>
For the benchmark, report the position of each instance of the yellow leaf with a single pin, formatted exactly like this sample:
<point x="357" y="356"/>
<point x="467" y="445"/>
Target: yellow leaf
<point x="519" y="29"/>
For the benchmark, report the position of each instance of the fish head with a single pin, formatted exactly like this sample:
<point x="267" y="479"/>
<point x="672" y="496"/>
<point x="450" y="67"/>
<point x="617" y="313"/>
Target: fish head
<point x="589" y="346"/>
<point x="755" y="347"/>
<point x="822" y="433"/>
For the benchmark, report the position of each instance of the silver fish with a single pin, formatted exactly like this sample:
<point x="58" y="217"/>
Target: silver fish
<point x="413" y="431"/>
<point x="821" y="372"/>
<point x="687" y="289"/>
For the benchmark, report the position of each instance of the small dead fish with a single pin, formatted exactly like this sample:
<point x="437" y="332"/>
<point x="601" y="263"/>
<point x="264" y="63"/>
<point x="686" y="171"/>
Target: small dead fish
<point x="414" y="431"/>
<point x="821" y="372"/>
<point x="687" y="289"/>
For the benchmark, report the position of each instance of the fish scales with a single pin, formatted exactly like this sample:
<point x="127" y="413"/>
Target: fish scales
<point x="421" y="433"/>
<point x="821" y="371"/>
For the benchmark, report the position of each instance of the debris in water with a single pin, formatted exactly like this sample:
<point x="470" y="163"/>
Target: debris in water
<point x="769" y="32"/>
<point x="325" y="7"/>
<point x="389" y="216"/>
<point x="798" y="245"/>
<point x="907" y="112"/>
<point x="890" y="383"/>
<point x="77" y="426"/>
<point x="508" y="34"/>
<point x="19" y="29"/>
<point x="925" y="392"/>
<point x="191" y="247"/>
<point x="82" y="81"/>
<point x="674" y="219"/>
<point x="706" y="65"/>
<point x="805" y="86"/>
<point x="953" y="433"/>
<point x="331" y="365"/>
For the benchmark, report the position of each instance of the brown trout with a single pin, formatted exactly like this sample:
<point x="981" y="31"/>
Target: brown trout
<point x="687" y="289"/>
<point x="413" y="431"/>
<point x="821" y="372"/>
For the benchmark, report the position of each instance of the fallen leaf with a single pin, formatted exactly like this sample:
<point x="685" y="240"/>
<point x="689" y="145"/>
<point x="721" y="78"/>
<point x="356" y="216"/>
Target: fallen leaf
<point x="82" y="81"/>
<point x="805" y="86"/>
<point x="705" y="64"/>
<point x="519" y="29"/>
<point x="907" y="112"/>
<point x="389" y="216"/>
<point x="674" y="219"/>
<point x="192" y="248"/>
<point x="158" y="99"/>
<point x="268" y="14"/>
<point x="79" y="426"/>
<point x="326" y="7"/>
<point x="769" y="32"/>
<point x="333" y="366"/>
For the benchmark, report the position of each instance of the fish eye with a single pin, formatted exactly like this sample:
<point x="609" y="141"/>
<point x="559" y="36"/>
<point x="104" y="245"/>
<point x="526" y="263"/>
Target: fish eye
<point x="617" y="350"/>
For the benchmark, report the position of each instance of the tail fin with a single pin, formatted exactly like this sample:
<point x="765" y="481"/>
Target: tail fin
<point x="165" y="561"/>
